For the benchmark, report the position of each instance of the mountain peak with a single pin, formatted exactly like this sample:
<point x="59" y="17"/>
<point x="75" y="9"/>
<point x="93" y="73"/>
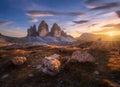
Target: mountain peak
<point x="43" y="22"/>
<point x="43" y="28"/>
<point x="32" y="31"/>
<point x="55" y="24"/>
<point x="55" y="30"/>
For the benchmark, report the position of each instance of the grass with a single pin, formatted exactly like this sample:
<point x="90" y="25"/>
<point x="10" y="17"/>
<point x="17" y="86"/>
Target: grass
<point x="74" y="74"/>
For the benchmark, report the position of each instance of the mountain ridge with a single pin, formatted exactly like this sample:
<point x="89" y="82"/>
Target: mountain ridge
<point x="43" y="30"/>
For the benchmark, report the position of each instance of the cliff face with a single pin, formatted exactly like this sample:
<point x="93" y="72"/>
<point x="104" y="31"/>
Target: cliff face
<point x="55" y="30"/>
<point x="32" y="31"/>
<point x="63" y="34"/>
<point x="43" y="29"/>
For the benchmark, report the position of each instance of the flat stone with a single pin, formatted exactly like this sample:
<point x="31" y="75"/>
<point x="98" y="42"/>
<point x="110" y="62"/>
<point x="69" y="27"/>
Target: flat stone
<point x="4" y="76"/>
<point x="96" y="72"/>
<point x="30" y="75"/>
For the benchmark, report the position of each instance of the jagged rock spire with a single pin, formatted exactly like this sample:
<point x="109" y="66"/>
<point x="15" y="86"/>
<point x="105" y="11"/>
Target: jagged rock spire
<point x="32" y="31"/>
<point x="43" y="29"/>
<point x="55" y="30"/>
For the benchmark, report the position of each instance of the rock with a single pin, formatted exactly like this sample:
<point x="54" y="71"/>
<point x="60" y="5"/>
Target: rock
<point x="96" y="72"/>
<point x="119" y="81"/>
<point x="4" y="76"/>
<point x="29" y="65"/>
<point x="43" y="29"/>
<point x="55" y="30"/>
<point x="50" y="65"/>
<point x="65" y="60"/>
<point x="32" y="31"/>
<point x="82" y="56"/>
<point x="38" y="66"/>
<point x="18" y="60"/>
<point x="55" y="56"/>
<point x="97" y="79"/>
<point x="30" y="75"/>
<point x="63" y="34"/>
<point x="96" y="63"/>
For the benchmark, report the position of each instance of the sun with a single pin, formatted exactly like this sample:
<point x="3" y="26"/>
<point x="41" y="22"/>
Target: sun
<point x="111" y="34"/>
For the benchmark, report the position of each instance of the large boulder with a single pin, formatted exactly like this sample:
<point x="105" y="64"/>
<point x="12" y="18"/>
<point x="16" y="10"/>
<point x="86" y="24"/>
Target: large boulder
<point x="50" y="65"/>
<point x="82" y="56"/>
<point x="55" y="30"/>
<point x="43" y="29"/>
<point x="18" y="60"/>
<point x="32" y="31"/>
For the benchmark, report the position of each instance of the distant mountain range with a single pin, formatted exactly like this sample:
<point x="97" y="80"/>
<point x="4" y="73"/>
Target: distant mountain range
<point x="87" y="37"/>
<point x="43" y="30"/>
<point x="41" y="35"/>
<point x="56" y="35"/>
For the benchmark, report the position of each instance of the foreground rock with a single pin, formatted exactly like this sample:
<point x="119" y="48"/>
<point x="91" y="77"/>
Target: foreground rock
<point x="4" y="76"/>
<point x="50" y="65"/>
<point x="82" y="56"/>
<point x="18" y="60"/>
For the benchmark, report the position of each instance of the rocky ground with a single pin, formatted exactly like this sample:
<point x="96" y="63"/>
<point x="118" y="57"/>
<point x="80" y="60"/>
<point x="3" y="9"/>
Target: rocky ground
<point x="102" y="71"/>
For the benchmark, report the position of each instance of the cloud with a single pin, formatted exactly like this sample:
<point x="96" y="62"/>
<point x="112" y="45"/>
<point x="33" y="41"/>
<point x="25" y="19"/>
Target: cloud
<point x="94" y="3"/>
<point x="81" y="21"/>
<point x="92" y="25"/>
<point x="118" y="13"/>
<point x="79" y="32"/>
<point x="38" y="13"/>
<point x="106" y="6"/>
<point x="90" y="1"/>
<point x="2" y="23"/>
<point x="95" y="24"/>
<point x="112" y="26"/>
<point x="107" y="30"/>
<point x="34" y="20"/>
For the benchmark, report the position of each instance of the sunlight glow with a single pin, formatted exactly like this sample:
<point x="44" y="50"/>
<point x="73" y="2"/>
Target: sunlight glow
<point x="111" y="34"/>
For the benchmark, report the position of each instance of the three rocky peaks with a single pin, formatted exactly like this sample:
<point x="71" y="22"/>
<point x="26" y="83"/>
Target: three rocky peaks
<point x="43" y="30"/>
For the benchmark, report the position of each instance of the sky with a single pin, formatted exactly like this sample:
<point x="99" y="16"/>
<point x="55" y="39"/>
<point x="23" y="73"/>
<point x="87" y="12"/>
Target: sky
<point x="73" y="16"/>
